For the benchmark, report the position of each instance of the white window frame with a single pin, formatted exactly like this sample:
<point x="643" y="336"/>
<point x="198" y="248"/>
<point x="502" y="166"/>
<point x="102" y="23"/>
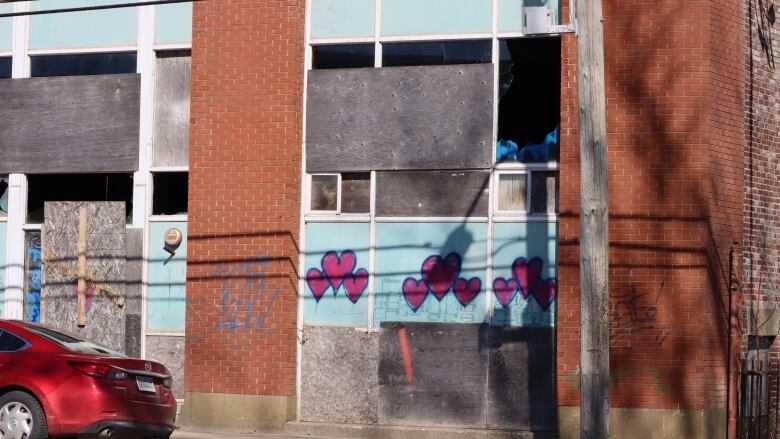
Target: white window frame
<point x="496" y="200"/>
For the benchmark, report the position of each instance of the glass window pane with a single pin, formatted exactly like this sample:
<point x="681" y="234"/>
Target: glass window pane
<point x="512" y="192"/>
<point x="426" y="17"/>
<point x="355" y="193"/>
<point x="173" y="23"/>
<point x="87" y="64"/>
<point x="436" y="53"/>
<point x="544" y="192"/>
<point x="342" y="56"/>
<point x="99" y="28"/>
<point x="324" y="192"/>
<point x="511" y="17"/>
<point x="5" y="67"/>
<point x="6" y="27"/>
<point x="342" y="18"/>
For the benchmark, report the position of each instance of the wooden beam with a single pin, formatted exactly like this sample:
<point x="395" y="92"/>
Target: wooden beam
<point x="594" y="216"/>
<point x="81" y="289"/>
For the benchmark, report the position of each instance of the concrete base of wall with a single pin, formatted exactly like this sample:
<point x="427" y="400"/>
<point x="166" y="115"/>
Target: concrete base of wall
<point x="651" y="424"/>
<point x="376" y="431"/>
<point x="237" y="412"/>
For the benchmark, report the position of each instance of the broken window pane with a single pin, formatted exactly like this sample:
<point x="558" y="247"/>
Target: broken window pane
<point x="3" y="196"/>
<point x="544" y="192"/>
<point x="77" y="187"/>
<point x="324" y="192"/>
<point x="169" y="193"/>
<point x="512" y="192"/>
<point x="82" y="64"/>
<point x="342" y="56"/>
<point x="5" y="67"/>
<point x="355" y="192"/>
<point x="437" y="53"/>
<point x="529" y="104"/>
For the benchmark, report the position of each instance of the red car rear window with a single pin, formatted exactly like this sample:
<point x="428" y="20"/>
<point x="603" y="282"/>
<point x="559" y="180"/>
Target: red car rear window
<point x="72" y="342"/>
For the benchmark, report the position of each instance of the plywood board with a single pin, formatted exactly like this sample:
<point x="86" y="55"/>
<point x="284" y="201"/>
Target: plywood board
<point x="443" y="379"/>
<point x="338" y="380"/>
<point x="432" y="193"/>
<point x="430" y="117"/>
<point x="70" y="124"/>
<point x="172" y="109"/>
<point x="106" y="270"/>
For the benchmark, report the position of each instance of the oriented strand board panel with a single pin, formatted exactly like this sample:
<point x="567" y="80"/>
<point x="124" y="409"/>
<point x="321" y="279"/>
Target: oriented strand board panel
<point x="69" y="124"/>
<point x="432" y="193"/>
<point x="169" y="350"/>
<point x="433" y="374"/>
<point x="172" y="109"/>
<point x="106" y="270"/>
<point x="338" y="380"/>
<point x="521" y="380"/>
<point x="430" y="117"/>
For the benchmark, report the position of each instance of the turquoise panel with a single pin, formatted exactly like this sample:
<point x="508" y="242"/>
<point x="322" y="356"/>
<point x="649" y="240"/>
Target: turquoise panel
<point x="431" y="272"/>
<point x="102" y="28"/>
<point x="342" y="18"/>
<point x="173" y="23"/>
<point x="6" y="29"/>
<point x="510" y="13"/>
<point x="525" y="274"/>
<point x="410" y="17"/>
<point x="2" y="268"/>
<point x="336" y="274"/>
<point x="167" y="280"/>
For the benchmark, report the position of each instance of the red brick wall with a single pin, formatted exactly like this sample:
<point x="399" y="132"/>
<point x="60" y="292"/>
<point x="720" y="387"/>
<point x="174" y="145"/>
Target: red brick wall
<point x="675" y="187"/>
<point x="245" y="162"/>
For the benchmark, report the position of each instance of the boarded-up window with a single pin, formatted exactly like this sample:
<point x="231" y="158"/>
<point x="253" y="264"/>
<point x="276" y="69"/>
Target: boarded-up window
<point x="512" y="192"/>
<point x="172" y="109"/>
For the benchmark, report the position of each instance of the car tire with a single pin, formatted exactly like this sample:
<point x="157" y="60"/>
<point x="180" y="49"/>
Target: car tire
<point x="30" y="410"/>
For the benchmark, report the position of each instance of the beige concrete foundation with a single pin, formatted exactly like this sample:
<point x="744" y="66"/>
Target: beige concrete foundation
<point x="651" y="423"/>
<point x="237" y="412"/>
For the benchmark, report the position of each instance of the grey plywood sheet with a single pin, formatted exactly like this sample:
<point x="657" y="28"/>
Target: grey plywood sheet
<point x="339" y="380"/>
<point x="135" y="248"/>
<point x="521" y="380"/>
<point x="169" y="350"/>
<point x="429" y="117"/>
<point x="172" y="109"/>
<point x="448" y="384"/>
<point x="432" y="193"/>
<point x="106" y="270"/>
<point x="69" y="124"/>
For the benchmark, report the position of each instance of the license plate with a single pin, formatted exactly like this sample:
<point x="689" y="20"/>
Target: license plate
<point x="145" y="384"/>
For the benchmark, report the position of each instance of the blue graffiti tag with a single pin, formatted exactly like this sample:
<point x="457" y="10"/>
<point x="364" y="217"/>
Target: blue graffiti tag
<point x="242" y="293"/>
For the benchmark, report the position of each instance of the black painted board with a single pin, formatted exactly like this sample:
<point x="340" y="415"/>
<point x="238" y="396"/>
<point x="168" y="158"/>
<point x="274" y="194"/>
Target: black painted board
<point x="432" y="193"/>
<point x="421" y="117"/>
<point x="448" y="385"/>
<point x="69" y="124"/>
<point x="521" y="379"/>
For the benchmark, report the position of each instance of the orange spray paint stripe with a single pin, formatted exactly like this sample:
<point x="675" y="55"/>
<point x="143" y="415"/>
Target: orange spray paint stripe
<point x="404" y="339"/>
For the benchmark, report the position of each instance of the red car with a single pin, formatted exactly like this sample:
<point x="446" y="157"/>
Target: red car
<point x="56" y="384"/>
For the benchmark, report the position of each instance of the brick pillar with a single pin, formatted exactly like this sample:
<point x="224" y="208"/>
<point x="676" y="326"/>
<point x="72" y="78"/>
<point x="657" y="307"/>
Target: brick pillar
<point x="244" y="195"/>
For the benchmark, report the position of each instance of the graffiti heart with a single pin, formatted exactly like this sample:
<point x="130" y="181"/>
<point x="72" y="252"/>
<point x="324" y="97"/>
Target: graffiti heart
<point x="336" y="271"/>
<point x="527" y="281"/>
<point x="440" y="273"/>
<point x="414" y="292"/>
<point x="466" y="291"/>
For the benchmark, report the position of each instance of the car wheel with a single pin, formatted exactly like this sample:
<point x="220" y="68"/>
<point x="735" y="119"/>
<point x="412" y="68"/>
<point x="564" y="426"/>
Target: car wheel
<point x="21" y="417"/>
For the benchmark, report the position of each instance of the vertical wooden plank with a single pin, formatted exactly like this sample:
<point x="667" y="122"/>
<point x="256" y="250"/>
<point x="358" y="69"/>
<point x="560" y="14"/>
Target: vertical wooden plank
<point x="82" y="269"/>
<point x="594" y="240"/>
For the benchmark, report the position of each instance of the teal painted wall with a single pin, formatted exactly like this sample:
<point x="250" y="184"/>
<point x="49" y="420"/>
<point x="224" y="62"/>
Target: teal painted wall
<point x="409" y="17"/>
<point x="510" y="13"/>
<point x="338" y="250"/>
<point x="2" y="268"/>
<point x="342" y="18"/>
<point x="511" y="242"/>
<point x="166" y="280"/>
<point x="173" y="23"/>
<point x="401" y="250"/>
<point x="6" y="29"/>
<point x="102" y="28"/>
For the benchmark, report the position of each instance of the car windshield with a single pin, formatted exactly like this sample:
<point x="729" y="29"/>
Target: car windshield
<point x="72" y="342"/>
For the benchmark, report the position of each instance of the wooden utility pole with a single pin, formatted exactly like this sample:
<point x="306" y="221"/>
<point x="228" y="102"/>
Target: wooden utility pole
<point x="81" y="286"/>
<point x="594" y="239"/>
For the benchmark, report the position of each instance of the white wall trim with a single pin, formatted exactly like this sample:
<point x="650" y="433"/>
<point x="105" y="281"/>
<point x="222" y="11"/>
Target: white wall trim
<point x="14" y="251"/>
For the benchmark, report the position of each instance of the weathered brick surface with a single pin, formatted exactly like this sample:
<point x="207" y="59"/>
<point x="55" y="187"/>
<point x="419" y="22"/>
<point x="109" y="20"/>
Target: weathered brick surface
<point x="245" y="162"/>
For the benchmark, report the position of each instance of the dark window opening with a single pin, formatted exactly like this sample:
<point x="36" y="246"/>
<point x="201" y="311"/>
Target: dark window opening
<point x="77" y="187"/>
<point x="529" y="100"/>
<point x="170" y="193"/>
<point x="82" y="64"/>
<point x="5" y="67"/>
<point x="355" y="192"/>
<point x="437" y="53"/>
<point x="3" y="196"/>
<point x="342" y="56"/>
